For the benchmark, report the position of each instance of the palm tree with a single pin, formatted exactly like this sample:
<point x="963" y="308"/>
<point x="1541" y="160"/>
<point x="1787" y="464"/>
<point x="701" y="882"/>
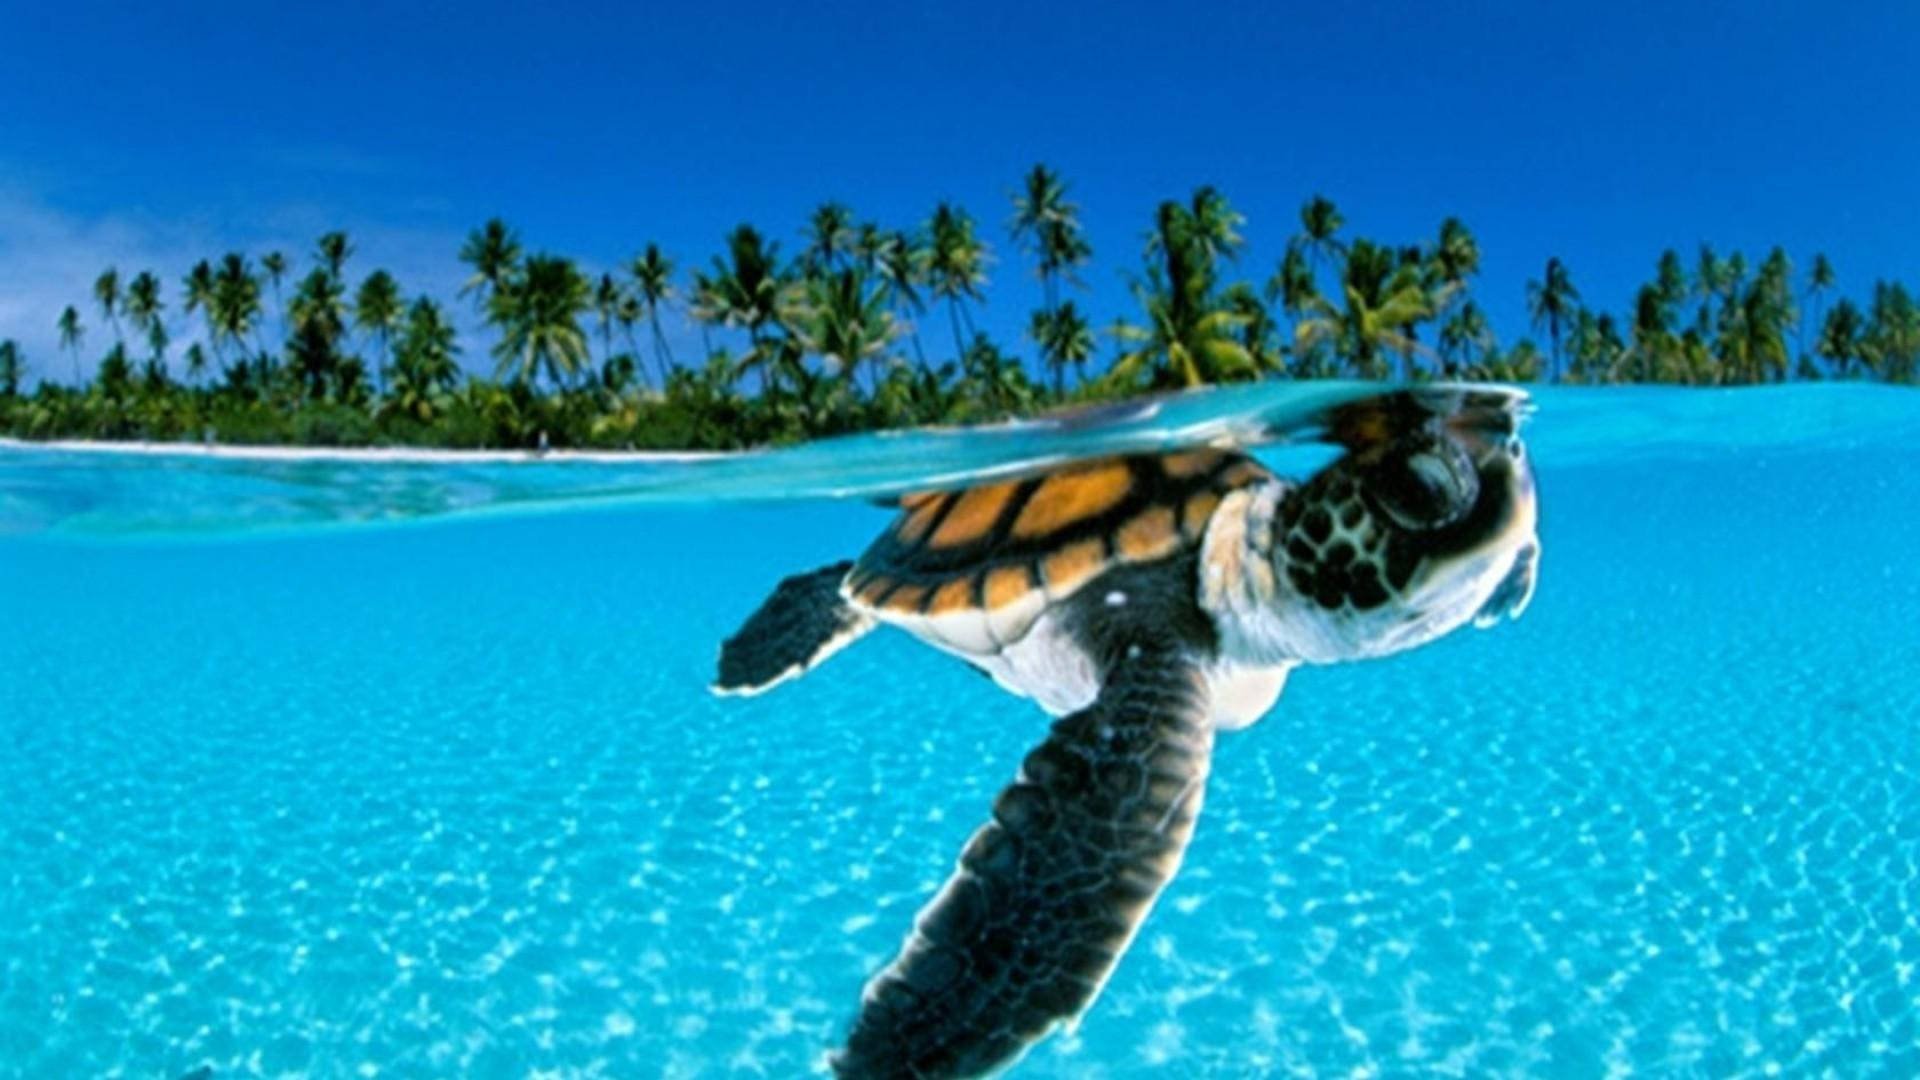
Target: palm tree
<point x="1189" y="338"/>
<point x="617" y="374"/>
<point x="1753" y="344"/>
<point x="653" y="279"/>
<point x="628" y="314"/>
<point x="900" y="266"/>
<point x="428" y="344"/>
<point x="199" y="296"/>
<point x="70" y="334"/>
<point x="319" y="313"/>
<point x="705" y="306"/>
<point x="1891" y="342"/>
<point x="1736" y="267"/>
<point x="115" y="374"/>
<point x="1214" y="225"/>
<point x="13" y="369"/>
<point x="1454" y="259"/>
<point x="106" y="290"/>
<point x="843" y="318"/>
<point x="234" y="306"/>
<point x="1044" y="199"/>
<point x="196" y="361"/>
<point x="275" y="264"/>
<point x="1292" y="282"/>
<point x="1040" y="329"/>
<point x="1670" y="282"/>
<point x="829" y="236"/>
<point x="1839" y="342"/>
<point x="1520" y="364"/>
<point x="1382" y="299"/>
<point x="1552" y="302"/>
<point x="1819" y="280"/>
<point x="955" y="266"/>
<point x="1320" y="223"/>
<point x="1598" y="352"/>
<point x="1070" y="341"/>
<point x="376" y="310"/>
<point x="1709" y="276"/>
<point x="1464" y="338"/>
<point x="332" y="251"/>
<point x="608" y="295"/>
<point x="350" y="382"/>
<point x="1650" y="353"/>
<point x="157" y="346"/>
<point x="538" y="311"/>
<point x="153" y="373"/>
<point x="995" y="379"/>
<point x="1751" y="327"/>
<point x="1770" y="315"/>
<point x="1456" y="255"/>
<point x="493" y="252"/>
<point x="424" y="367"/>
<point x="745" y="292"/>
<point x="142" y="304"/>
<point x="1047" y="226"/>
<point x="1258" y="331"/>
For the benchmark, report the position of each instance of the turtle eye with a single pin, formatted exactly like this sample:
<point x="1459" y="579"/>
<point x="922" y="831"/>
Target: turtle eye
<point x="1427" y="485"/>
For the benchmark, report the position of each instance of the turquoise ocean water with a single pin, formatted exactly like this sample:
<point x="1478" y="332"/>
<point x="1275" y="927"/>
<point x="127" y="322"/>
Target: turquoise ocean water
<point x="336" y="769"/>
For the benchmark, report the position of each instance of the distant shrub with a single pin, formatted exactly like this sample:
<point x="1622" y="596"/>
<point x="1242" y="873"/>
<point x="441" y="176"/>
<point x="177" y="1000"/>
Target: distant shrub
<point x="332" y="425"/>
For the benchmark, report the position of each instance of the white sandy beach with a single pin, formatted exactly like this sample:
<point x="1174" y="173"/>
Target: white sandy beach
<point x="366" y="455"/>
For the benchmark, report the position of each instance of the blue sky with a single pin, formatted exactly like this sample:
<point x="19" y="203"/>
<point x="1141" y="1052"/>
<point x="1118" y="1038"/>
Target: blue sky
<point x="150" y="136"/>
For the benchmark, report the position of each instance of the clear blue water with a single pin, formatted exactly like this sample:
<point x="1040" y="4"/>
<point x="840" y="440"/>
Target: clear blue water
<point x="280" y="796"/>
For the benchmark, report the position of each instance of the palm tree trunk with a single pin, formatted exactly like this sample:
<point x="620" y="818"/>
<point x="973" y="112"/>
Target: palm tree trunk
<point x="761" y="361"/>
<point x="626" y="331"/>
<point x="953" y="316"/>
<point x="662" y="355"/>
<point x="919" y="354"/>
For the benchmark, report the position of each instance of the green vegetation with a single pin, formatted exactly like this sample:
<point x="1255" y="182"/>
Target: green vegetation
<point x="831" y="339"/>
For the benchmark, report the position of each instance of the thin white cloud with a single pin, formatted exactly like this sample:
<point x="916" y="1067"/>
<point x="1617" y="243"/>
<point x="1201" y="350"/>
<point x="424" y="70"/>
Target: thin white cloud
<point x="50" y="257"/>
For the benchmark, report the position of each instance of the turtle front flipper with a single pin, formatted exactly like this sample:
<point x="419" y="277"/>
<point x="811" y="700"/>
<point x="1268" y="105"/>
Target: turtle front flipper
<point x="1050" y="892"/>
<point x="802" y="623"/>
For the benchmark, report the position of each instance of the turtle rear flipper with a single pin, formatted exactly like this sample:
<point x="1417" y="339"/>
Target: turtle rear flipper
<point x="1048" y="893"/>
<point x="802" y="623"/>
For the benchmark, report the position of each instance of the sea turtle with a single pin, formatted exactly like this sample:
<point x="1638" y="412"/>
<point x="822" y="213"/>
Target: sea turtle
<point x="1147" y="601"/>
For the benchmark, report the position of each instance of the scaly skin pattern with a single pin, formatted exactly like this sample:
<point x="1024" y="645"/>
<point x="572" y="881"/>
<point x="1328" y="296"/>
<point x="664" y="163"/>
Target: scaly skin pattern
<point x="1050" y="892"/>
<point x="1167" y="595"/>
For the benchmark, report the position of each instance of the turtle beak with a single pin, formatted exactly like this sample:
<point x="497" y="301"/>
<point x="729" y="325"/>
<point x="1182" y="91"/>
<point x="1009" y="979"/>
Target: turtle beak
<point x="1514" y="592"/>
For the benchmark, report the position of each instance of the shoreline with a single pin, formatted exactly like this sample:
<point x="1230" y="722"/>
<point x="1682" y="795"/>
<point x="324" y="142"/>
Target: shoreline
<point x="401" y="455"/>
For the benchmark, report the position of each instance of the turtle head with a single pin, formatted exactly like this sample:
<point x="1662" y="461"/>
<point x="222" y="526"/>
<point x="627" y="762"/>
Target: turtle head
<point x="1406" y="538"/>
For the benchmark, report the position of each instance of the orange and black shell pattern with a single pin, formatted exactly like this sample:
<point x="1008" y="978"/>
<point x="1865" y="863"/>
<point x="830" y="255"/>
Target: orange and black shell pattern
<point x="1007" y="549"/>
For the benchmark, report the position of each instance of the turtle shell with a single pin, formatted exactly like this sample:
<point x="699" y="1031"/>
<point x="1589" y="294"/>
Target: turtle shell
<point x="973" y="568"/>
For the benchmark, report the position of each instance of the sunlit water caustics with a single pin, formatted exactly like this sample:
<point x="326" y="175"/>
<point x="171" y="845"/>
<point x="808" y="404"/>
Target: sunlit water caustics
<point x="410" y="769"/>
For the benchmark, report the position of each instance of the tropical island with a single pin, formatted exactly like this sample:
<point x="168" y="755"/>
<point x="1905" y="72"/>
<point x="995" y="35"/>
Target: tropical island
<point x="846" y="335"/>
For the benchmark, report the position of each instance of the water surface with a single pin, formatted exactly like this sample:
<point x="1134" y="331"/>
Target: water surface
<point x="291" y="794"/>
